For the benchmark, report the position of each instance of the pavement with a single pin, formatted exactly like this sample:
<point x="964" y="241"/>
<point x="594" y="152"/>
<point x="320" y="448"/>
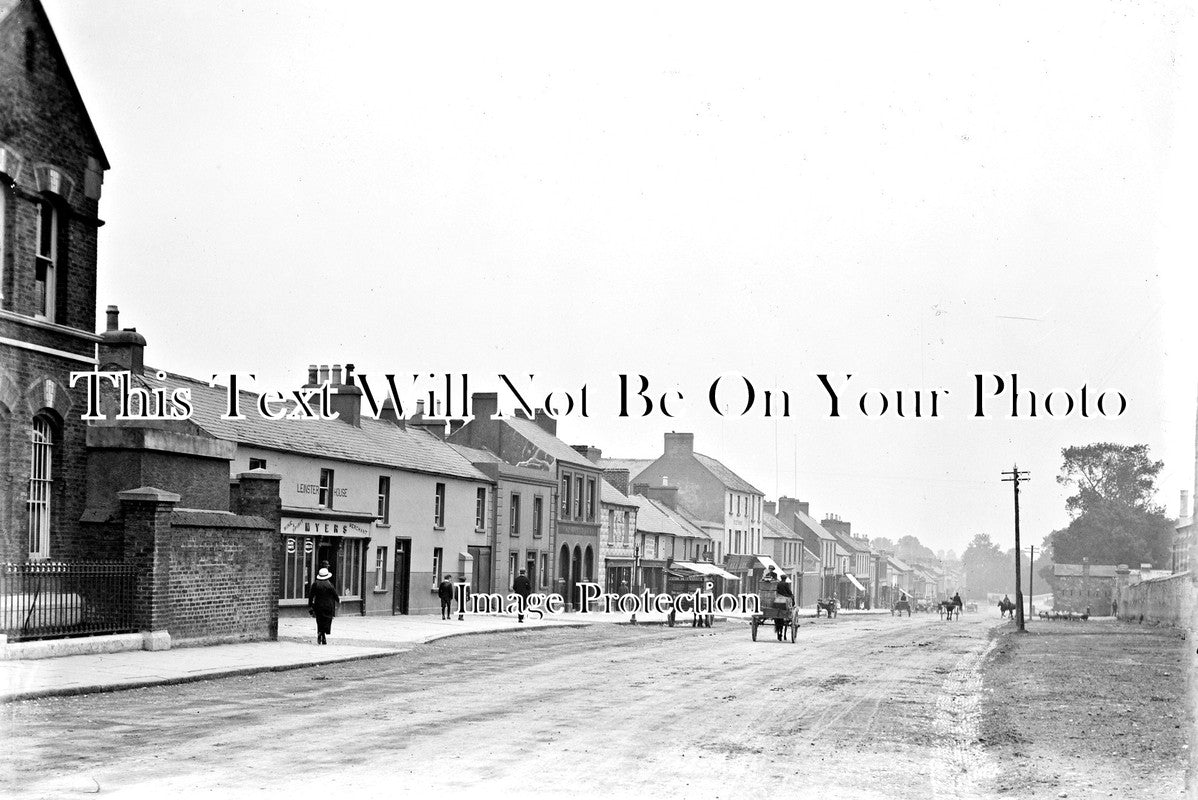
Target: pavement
<point x="353" y="638"/>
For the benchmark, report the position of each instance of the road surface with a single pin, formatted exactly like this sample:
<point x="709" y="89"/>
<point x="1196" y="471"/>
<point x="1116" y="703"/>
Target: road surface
<point x="867" y="707"/>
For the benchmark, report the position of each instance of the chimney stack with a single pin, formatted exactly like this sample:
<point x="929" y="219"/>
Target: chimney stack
<point x="771" y="508"/>
<point x="346" y="399"/>
<point x="618" y="478"/>
<point x="666" y="495"/>
<point x="590" y="452"/>
<point x="680" y="444"/>
<point x="483" y="405"/>
<point x="122" y="349"/>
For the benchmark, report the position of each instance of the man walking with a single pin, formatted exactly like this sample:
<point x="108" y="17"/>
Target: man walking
<point x="445" y="592"/>
<point x="523" y="587"/>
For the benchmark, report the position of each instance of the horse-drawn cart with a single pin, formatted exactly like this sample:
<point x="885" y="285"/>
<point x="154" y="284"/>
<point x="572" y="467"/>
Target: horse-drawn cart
<point x="901" y="605"/>
<point x="683" y="579"/>
<point x="777" y="609"/>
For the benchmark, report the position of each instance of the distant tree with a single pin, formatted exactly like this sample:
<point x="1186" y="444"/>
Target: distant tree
<point x="986" y="566"/>
<point x="1115" y="520"/>
<point x="882" y="543"/>
<point x="909" y="549"/>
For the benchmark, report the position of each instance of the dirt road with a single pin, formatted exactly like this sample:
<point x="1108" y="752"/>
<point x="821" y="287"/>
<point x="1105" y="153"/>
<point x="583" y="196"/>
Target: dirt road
<point x="873" y="707"/>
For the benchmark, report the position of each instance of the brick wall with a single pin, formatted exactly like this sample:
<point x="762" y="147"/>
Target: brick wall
<point x="220" y="583"/>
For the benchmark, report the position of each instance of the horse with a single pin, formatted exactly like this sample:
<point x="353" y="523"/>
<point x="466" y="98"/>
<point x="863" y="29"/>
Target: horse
<point x="826" y="605"/>
<point x="1006" y="607"/>
<point x="950" y="607"/>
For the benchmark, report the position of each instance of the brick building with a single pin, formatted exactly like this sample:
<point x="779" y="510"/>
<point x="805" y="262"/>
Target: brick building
<point x="1078" y="587"/>
<point x="51" y="170"/>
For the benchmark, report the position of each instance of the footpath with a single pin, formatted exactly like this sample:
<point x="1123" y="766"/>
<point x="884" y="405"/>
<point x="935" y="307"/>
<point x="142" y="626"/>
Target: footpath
<point x="353" y="638"/>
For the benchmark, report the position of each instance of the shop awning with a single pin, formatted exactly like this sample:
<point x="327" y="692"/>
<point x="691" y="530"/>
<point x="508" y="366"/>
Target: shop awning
<point x="704" y="569"/>
<point x="853" y="580"/>
<point x="769" y="563"/>
<point x="742" y="562"/>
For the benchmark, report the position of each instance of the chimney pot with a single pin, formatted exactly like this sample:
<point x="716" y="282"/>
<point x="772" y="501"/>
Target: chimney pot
<point x="113" y="315"/>
<point x="312" y="374"/>
<point x="349" y="374"/>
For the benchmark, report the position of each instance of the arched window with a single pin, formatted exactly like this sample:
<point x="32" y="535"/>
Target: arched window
<point x="39" y="487"/>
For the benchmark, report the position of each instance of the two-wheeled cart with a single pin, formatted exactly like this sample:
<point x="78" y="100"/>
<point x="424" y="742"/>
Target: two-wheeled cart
<point x="777" y="610"/>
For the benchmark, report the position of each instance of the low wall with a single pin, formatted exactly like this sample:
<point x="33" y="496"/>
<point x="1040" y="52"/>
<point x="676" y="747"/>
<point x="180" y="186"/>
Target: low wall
<point x="220" y="586"/>
<point x="1160" y="601"/>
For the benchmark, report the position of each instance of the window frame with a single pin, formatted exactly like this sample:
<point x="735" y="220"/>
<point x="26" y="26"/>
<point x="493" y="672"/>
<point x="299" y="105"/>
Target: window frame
<point x="439" y="506"/>
<point x="384" y="508"/>
<point x="380" y="569"/>
<point x="49" y="286"/>
<point x="480" y="509"/>
<point x="324" y="496"/>
<point x="538" y="516"/>
<point x="514" y="514"/>
<point x="40" y="505"/>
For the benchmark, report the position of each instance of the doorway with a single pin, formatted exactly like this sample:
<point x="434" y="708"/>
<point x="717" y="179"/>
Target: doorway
<point x="402" y="576"/>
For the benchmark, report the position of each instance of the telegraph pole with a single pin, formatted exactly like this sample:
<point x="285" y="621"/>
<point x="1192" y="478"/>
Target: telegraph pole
<point x="1031" y="583"/>
<point x="1016" y="477"/>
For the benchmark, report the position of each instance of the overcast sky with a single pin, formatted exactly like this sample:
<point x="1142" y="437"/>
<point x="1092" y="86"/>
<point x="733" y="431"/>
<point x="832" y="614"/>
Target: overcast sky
<point x="909" y="194"/>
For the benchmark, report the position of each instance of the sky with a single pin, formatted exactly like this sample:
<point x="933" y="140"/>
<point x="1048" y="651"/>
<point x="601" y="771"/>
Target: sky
<point x="908" y="194"/>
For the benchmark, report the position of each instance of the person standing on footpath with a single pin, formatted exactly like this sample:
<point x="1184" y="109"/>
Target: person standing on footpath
<point x="523" y="587"/>
<point x="322" y="602"/>
<point x="445" y="592"/>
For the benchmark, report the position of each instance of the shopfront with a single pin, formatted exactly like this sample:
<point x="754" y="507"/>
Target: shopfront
<point x="310" y="540"/>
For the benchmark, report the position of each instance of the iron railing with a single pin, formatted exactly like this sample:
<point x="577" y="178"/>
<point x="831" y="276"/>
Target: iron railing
<point x="49" y="599"/>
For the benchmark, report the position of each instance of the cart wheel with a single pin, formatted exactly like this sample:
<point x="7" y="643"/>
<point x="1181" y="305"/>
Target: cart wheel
<point x="794" y="632"/>
<point x="753" y="625"/>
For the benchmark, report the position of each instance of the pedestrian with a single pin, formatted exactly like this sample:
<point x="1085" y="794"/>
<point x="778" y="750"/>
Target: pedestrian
<point x="522" y="587"/>
<point x="322" y="602"/>
<point x="445" y="592"/>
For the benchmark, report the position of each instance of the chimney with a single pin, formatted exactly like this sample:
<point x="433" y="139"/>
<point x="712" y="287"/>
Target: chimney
<point x="544" y="421"/>
<point x="346" y="399"/>
<point x="788" y="506"/>
<point x="591" y="453"/>
<point x="1185" y="503"/>
<point x="666" y="495"/>
<point x="389" y="413"/>
<point x="618" y="478"/>
<point x="771" y="508"/>
<point x="122" y="349"/>
<point x="484" y="404"/>
<point x="680" y="444"/>
<point x="434" y="426"/>
<point x="834" y="523"/>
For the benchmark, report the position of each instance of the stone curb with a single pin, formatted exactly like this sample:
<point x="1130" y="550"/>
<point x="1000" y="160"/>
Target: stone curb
<point x="69" y="691"/>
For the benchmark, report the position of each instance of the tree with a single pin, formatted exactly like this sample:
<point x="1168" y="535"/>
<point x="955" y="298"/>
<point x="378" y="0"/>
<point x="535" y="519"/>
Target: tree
<point x="909" y="549"/>
<point x="882" y="543"/>
<point x="987" y="569"/>
<point x="1115" y="520"/>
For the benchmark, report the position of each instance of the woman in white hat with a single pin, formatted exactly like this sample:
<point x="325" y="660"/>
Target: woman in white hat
<point x="322" y="602"/>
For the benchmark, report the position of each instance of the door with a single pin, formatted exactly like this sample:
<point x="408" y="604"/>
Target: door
<point x="480" y="579"/>
<point x="402" y="576"/>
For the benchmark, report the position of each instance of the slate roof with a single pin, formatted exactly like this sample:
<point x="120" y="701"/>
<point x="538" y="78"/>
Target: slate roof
<point x="613" y="496"/>
<point x="476" y="455"/>
<point x="726" y="476"/>
<point x="655" y="517"/>
<point x="808" y="522"/>
<point x="635" y="466"/>
<point x="375" y="442"/>
<point x="898" y="564"/>
<point x="774" y="528"/>
<point x="554" y="447"/>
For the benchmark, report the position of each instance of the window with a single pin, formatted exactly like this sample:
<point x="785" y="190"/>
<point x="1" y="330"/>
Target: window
<point x="325" y="499"/>
<point x="513" y="564"/>
<point x="46" y="261"/>
<point x="39" y="488"/>
<point x="480" y="509"/>
<point x="544" y="576"/>
<point x="257" y="463"/>
<point x="349" y="568"/>
<point x="729" y="503"/>
<point x="566" y="496"/>
<point x="437" y="563"/>
<point x="590" y="499"/>
<point x="530" y="564"/>
<point x="627" y="523"/>
<point x="538" y="504"/>
<point x="514" y="513"/>
<point x="380" y="569"/>
<point x="578" y="497"/>
<point x="384" y="511"/>
<point x="611" y="526"/>
<point x="439" y="507"/>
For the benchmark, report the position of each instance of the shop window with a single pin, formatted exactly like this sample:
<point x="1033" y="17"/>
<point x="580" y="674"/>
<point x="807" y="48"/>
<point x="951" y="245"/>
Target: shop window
<point x="439" y="507"/>
<point x="384" y="509"/>
<point x="299" y="567"/>
<point x="349" y="569"/>
<point x="325" y="498"/>
<point x="40" y="483"/>
<point x="257" y="463"/>
<point x="480" y="509"/>
<point x="380" y="569"/>
<point x="46" y="261"/>
<point x="514" y="515"/>
<point x="538" y="507"/>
